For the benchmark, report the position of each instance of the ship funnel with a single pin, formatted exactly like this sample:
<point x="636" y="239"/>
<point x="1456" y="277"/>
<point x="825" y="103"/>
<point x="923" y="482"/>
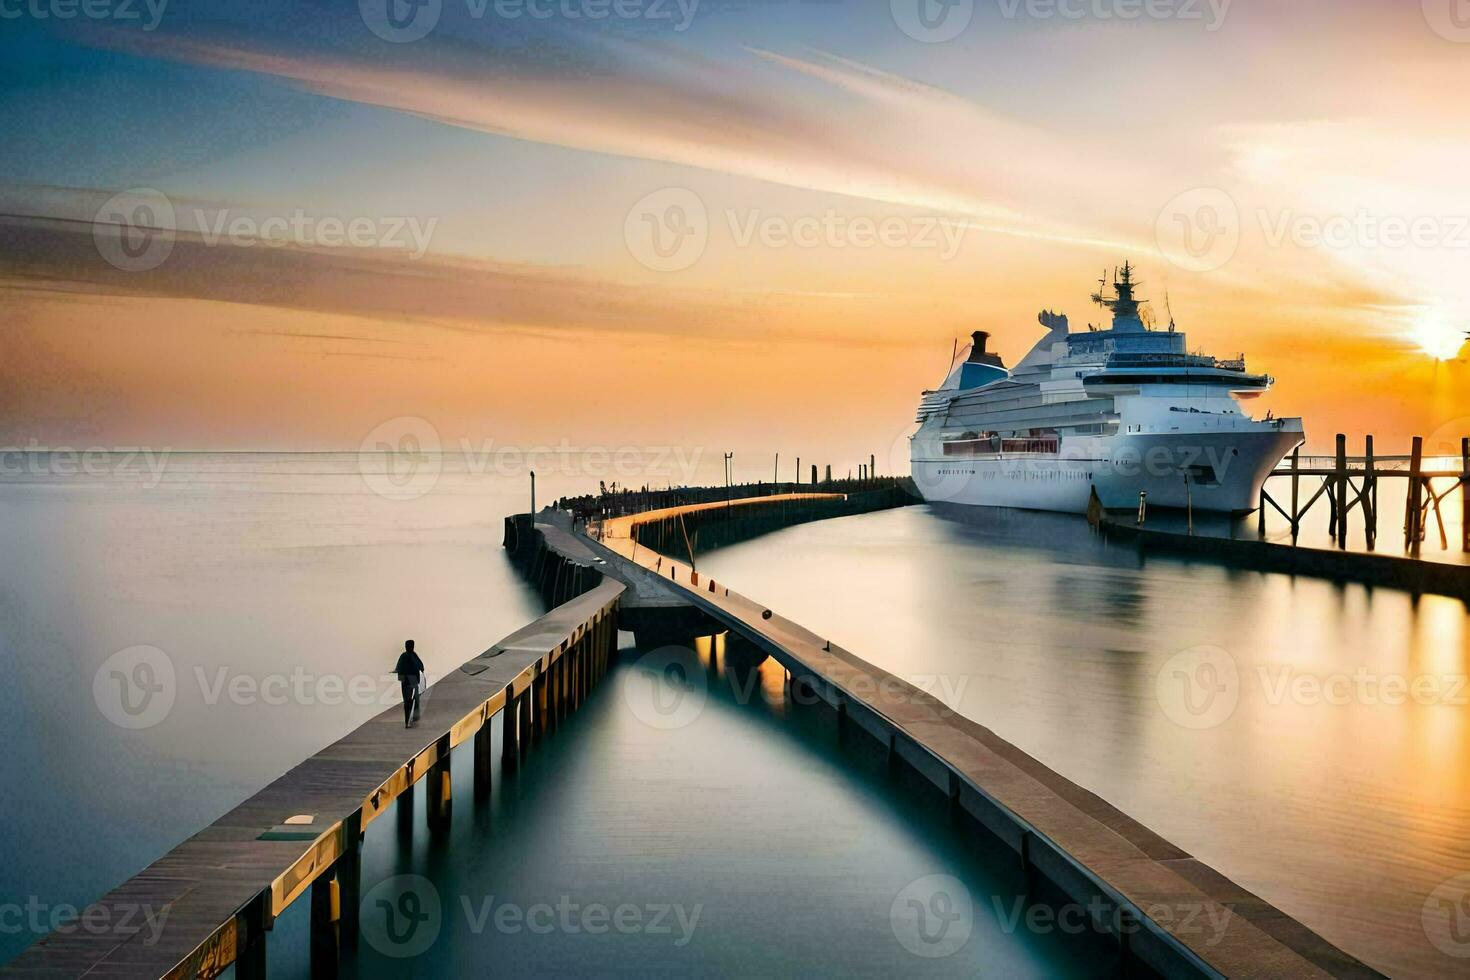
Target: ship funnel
<point x="978" y="341"/>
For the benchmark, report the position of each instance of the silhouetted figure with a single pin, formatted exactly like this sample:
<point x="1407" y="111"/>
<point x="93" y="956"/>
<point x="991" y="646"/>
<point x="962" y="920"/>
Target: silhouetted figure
<point x="409" y="670"/>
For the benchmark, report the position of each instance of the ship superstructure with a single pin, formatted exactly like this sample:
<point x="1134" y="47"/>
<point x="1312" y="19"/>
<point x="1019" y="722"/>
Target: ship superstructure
<point x="1120" y="410"/>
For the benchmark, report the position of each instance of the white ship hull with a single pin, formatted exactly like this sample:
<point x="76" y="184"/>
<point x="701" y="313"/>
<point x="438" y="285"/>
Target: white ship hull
<point x="1225" y="471"/>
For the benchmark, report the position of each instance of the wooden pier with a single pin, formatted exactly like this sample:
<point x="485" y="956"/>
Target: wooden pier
<point x="1351" y="483"/>
<point x="1143" y="889"/>
<point x="224" y="887"/>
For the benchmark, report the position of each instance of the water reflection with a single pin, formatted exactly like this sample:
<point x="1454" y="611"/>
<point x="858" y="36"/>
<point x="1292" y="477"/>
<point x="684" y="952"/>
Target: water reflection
<point x="1312" y="740"/>
<point x="761" y="845"/>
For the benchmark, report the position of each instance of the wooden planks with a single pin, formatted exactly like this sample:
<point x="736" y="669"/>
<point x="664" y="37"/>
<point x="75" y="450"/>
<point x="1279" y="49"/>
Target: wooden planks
<point x="1082" y="843"/>
<point x="220" y="888"/>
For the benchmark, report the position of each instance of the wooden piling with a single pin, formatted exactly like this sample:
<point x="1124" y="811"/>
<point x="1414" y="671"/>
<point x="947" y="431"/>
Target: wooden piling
<point x="1414" y="526"/>
<point x="326" y="947"/>
<point x="525" y="723"/>
<point x="1296" y="477"/>
<point x="1369" y="495"/>
<point x="509" y="752"/>
<point x="1465" y="494"/>
<point x="483" y="764"/>
<point x="1342" y="492"/>
<point x="438" y="784"/>
<point x="349" y="881"/>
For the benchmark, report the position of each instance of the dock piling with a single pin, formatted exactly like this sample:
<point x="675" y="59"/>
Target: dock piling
<point x="439" y="787"/>
<point x="326" y="947"/>
<point x="1369" y="495"/>
<point x="1341" y="512"/>
<point x="1414" y="523"/>
<point x="349" y="881"/>
<point x="483" y="764"/>
<point x="510" y="753"/>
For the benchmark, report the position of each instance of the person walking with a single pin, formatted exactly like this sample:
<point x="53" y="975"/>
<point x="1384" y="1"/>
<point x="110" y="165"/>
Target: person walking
<point x="409" y="670"/>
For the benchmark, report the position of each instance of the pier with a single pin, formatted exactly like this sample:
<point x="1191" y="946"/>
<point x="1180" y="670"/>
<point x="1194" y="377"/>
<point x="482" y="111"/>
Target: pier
<point x="300" y="838"/>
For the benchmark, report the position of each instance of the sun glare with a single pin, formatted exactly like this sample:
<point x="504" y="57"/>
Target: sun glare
<point x="1437" y="338"/>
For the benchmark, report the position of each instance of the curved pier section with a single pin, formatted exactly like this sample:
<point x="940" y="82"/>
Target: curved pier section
<point x="224" y="887"/>
<point x="1152" y="896"/>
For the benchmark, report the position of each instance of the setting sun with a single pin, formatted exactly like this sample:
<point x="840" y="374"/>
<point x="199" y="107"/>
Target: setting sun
<point x="1437" y="338"/>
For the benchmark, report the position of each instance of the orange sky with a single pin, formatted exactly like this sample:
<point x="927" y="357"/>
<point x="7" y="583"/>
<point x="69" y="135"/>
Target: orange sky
<point x="1292" y="182"/>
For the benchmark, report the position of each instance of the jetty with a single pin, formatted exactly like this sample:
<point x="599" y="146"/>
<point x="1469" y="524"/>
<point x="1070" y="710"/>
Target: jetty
<point x="635" y="568"/>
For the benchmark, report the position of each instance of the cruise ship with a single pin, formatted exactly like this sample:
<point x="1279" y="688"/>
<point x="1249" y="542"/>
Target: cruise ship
<point x="1120" y="410"/>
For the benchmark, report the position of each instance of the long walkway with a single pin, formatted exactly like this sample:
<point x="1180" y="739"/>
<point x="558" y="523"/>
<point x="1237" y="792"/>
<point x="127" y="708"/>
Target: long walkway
<point x="1074" y="838"/>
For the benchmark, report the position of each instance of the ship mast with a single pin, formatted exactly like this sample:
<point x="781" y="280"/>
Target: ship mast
<point x="1122" y="303"/>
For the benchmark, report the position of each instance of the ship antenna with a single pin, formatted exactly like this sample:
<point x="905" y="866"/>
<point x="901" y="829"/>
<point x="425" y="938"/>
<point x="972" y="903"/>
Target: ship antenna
<point x="1170" y="310"/>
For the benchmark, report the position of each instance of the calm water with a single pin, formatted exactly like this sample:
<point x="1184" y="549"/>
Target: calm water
<point x="1311" y="741"/>
<point x="264" y="598"/>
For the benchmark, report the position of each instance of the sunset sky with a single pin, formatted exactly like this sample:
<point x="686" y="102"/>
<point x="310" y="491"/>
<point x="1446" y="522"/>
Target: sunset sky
<point x="747" y="225"/>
